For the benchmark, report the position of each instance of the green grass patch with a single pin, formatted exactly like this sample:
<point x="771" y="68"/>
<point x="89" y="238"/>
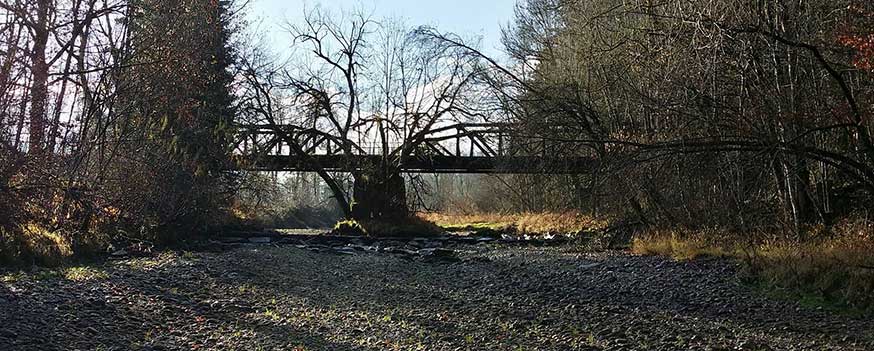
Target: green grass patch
<point x="72" y="273"/>
<point x="32" y="243"/>
<point x="80" y="274"/>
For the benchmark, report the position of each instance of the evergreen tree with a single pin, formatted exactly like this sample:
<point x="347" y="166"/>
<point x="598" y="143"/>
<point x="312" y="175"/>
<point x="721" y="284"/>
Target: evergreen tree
<point x="177" y="99"/>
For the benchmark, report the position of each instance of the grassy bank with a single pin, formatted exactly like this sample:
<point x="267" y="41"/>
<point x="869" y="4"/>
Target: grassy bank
<point x="522" y="223"/>
<point x="831" y="270"/>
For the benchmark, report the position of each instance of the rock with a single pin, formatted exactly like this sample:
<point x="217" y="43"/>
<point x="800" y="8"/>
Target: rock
<point x="590" y="266"/>
<point x="438" y="253"/>
<point x="388" y="249"/>
<point x="260" y="240"/>
<point x="406" y="252"/>
<point x="432" y="244"/>
<point x="6" y="333"/>
<point x="362" y="247"/>
<point x="344" y="251"/>
<point x="119" y="253"/>
<point x="444" y="252"/>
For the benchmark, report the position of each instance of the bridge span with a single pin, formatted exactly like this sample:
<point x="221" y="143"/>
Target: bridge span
<point x="457" y="148"/>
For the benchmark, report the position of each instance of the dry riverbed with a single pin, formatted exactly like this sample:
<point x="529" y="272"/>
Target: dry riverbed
<point x="472" y="297"/>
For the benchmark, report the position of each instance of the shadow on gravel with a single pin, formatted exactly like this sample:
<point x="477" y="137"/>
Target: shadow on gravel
<point x="55" y="314"/>
<point x="156" y="313"/>
<point x="213" y="318"/>
<point x="495" y="298"/>
<point x="620" y="297"/>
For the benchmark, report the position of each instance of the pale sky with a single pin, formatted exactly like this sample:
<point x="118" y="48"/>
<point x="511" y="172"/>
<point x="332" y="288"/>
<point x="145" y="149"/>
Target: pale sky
<point x="468" y="18"/>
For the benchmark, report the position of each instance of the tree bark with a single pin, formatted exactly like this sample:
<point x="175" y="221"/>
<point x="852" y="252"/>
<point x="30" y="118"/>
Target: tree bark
<point x="39" y="89"/>
<point x="379" y="195"/>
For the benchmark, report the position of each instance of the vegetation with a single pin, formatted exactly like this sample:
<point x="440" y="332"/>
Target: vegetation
<point x="411" y="227"/>
<point x="832" y="269"/>
<point x="695" y="120"/>
<point x="114" y="120"/>
<point x="726" y="128"/>
<point x="720" y="128"/>
<point x="568" y="223"/>
<point x="365" y="87"/>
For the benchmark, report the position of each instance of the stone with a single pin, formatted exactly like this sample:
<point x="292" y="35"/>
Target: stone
<point x="590" y="266"/>
<point x="432" y="244"/>
<point x="344" y="251"/>
<point x="438" y="253"/>
<point x="6" y="333"/>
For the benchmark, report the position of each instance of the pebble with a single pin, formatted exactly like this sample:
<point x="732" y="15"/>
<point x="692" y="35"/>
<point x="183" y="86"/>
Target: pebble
<point x="519" y="297"/>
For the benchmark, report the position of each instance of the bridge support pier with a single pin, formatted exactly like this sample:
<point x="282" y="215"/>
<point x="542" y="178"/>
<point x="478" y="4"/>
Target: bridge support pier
<point x="379" y="195"/>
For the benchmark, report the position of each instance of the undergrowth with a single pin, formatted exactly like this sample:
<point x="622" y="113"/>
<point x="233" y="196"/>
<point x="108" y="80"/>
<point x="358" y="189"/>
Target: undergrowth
<point x="34" y="244"/>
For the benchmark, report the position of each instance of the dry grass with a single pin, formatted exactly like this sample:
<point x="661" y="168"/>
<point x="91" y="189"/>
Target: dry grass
<point x="686" y="245"/>
<point x="838" y="271"/>
<point x="34" y="244"/>
<point x="833" y="270"/>
<point x="523" y="223"/>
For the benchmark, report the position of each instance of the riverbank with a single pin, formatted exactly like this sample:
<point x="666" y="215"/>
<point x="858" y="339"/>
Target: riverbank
<point x="490" y="296"/>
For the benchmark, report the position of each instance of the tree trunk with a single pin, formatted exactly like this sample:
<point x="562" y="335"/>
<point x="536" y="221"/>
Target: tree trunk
<point x="338" y="193"/>
<point x="379" y="195"/>
<point x="39" y="90"/>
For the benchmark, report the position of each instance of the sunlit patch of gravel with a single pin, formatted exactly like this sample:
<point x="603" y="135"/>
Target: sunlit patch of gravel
<point x="495" y="297"/>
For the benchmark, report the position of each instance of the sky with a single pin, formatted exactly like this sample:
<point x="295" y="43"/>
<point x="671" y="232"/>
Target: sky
<point x="468" y="18"/>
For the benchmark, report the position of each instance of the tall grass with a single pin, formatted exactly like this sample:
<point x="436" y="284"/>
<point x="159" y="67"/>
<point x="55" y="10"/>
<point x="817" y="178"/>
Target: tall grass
<point x="33" y="244"/>
<point x="522" y="223"/>
<point x="834" y="267"/>
<point x="688" y="244"/>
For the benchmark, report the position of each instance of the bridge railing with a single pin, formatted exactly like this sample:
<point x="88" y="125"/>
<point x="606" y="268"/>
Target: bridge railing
<point x="458" y="140"/>
<point x="458" y="148"/>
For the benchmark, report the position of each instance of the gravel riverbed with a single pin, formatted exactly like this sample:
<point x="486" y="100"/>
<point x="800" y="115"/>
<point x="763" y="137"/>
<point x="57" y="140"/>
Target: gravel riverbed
<point x="488" y="297"/>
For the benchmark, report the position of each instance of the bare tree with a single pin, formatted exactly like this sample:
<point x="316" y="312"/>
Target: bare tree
<point x="370" y="89"/>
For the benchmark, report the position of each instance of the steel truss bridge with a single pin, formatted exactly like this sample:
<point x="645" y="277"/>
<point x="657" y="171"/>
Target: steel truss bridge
<point x="457" y="148"/>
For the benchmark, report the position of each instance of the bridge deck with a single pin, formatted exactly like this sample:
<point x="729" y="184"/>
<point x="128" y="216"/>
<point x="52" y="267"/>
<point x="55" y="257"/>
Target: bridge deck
<point x="430" y="164"/>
